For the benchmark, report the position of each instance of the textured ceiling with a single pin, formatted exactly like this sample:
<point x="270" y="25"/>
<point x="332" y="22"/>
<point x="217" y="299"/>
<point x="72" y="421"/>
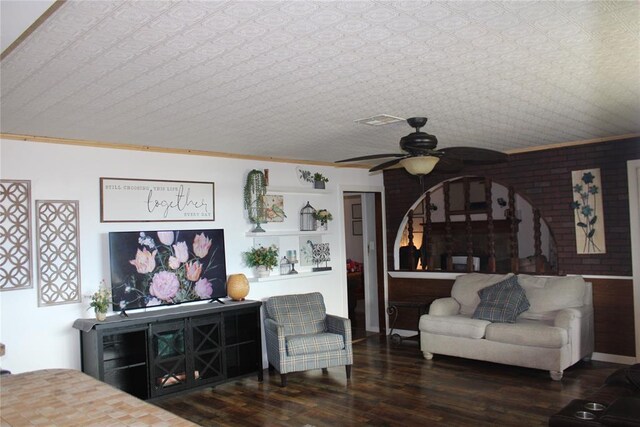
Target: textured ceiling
<point x="288" y="79"/>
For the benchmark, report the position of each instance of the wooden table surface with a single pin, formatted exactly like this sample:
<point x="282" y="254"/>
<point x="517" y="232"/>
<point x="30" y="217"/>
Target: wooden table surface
<point x="69" y="398"/>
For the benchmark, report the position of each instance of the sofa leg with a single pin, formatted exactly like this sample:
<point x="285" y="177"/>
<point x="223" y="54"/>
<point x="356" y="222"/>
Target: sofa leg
<point x="348" y="369"/>
<point x="427" y="355"/>
<point x="587" y="358"/>
<point x="556" y="375"/>
<point x="283" y="380"/>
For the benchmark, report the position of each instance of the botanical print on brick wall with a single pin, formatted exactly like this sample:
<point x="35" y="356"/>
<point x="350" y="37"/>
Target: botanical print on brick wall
<point x="588" y="211"/>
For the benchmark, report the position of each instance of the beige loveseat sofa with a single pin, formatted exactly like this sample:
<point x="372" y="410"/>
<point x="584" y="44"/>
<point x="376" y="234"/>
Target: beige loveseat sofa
<point x="554" y="332"/>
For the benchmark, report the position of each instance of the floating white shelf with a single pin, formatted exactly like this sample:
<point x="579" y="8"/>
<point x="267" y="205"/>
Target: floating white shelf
<point x="276" y="277"/>
<point x="286" y="233"/>
<point x="296" y="190"/>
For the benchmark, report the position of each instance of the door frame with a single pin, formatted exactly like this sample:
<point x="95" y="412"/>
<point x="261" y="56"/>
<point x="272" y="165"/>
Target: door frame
<point x="633" y="173"/>
<point x="381" y="234"/>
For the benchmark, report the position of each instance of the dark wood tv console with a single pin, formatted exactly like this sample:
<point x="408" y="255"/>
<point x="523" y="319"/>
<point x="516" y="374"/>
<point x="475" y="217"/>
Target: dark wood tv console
<point x="156" y="353"/>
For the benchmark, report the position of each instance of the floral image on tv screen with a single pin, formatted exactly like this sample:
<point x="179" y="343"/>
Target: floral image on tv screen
<point x="151" y="268"/>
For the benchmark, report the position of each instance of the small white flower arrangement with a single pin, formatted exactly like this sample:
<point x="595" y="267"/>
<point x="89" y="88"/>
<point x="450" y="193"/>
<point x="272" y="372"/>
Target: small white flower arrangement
<point x="324" y="216"/>
<point x="101" y="299"/>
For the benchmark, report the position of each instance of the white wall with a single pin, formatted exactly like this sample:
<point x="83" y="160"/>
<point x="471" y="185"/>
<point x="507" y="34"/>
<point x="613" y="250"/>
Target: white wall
<point x="38" y="338"/>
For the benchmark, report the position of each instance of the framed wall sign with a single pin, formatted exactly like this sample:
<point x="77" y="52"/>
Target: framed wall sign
<point x="137" y="200"/>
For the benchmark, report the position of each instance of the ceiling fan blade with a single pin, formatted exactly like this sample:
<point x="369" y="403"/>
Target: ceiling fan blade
<point x="370" y="157"/>
<point x="387" y="165"/>
<point x="448" y="164"/>
<point x="475" y="156"/>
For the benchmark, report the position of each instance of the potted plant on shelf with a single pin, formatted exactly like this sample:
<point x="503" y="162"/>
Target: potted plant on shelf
<point x="254" y="189"/>
<point x="319" y="180"/>
<point x="323" y="216"/>
<point x="262" y="259"/>
<point x="100" y="301"/>
<point x="316" y="178"/>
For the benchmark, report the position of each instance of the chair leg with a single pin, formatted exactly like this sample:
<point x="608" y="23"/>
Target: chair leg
<point x="348" y="369"/>
<point x="283" y="380"/>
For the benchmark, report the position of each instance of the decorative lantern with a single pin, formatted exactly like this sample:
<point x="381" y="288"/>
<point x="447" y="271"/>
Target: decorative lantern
<point x="285" y="266"/>
<point x="307" y="218"/>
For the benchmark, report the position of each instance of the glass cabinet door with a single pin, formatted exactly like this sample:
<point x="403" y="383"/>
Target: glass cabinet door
<point x="167" y="351"/>
<point x="206" y="338"/>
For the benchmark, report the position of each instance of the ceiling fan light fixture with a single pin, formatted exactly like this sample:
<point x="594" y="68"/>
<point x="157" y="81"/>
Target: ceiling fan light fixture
<point x="419" y="165"/>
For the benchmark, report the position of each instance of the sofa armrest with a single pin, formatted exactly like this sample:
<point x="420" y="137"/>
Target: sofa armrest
<point x="342" y="326"/>
<point x="578" y="323"/>
<point x="339" y="325"/>
<point x="276" y="346"/>
<point x="567" y="317"/>
<point x="444" y="307"/>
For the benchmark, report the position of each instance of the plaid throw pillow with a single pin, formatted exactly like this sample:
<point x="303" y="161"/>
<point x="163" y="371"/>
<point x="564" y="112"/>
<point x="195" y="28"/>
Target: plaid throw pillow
<point x="502" y="302"/>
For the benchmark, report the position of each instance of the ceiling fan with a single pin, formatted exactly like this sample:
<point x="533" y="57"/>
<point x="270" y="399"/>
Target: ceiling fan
<point x="420" y="156"/>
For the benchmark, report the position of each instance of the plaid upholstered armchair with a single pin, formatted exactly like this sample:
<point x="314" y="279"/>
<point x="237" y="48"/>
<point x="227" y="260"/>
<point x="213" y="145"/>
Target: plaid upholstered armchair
<point x="301" y="335"/>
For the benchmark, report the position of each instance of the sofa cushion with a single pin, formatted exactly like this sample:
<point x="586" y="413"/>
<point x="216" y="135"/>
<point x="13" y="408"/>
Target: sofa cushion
<point x="527" y="334"/>
<point x="502" y="302"/>
<point x="455" y="326"/>
<point x="465" y="289"/>
<point x="547" y="295"/>
<point x="298" y="314"/>
<point x="314" y="343"/>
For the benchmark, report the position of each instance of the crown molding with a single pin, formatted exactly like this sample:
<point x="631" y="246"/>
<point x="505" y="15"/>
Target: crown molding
<point x="152" y="149"/>
<point x="572" y="143"/>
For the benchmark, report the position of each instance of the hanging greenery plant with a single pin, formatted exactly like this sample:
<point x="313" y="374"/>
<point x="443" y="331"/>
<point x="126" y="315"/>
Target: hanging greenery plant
<point x="254" y="189"/>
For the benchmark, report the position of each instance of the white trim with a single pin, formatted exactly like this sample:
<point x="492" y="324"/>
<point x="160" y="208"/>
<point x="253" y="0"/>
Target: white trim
<point x="342" y="189"/>
<point x="450" y="275"/>
<point x="423" y="275"/>
<point x="300" y="275"/>
<point x="596" y="276"/>
<point x="633" y="173"/>
<point x="613" y="358"/>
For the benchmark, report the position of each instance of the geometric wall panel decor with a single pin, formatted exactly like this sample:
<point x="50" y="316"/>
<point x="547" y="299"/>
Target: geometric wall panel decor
<point x="58" y="252"/>
<point x="15" y="235"/>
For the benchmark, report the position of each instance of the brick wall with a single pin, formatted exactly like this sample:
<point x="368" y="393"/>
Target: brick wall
<point x="544" y="178"/>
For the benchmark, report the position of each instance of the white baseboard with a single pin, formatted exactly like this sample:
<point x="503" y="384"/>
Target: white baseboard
<point x="613" y="358"/>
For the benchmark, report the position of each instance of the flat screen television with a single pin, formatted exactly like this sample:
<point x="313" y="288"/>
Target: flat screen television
<point x="153" y="268"/>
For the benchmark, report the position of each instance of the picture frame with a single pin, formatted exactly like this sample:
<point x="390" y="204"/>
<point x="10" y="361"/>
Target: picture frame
<point x="356" y="227"/>
<point x="154" y="200"/>
<point x="588" y="207"/>
<point x="273" y="208"/>
<point x="306" y="244"/>
<point x="356" y="211"/>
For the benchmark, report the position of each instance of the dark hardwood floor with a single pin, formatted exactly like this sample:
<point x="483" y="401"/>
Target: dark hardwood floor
<point x="393" y="386"/>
